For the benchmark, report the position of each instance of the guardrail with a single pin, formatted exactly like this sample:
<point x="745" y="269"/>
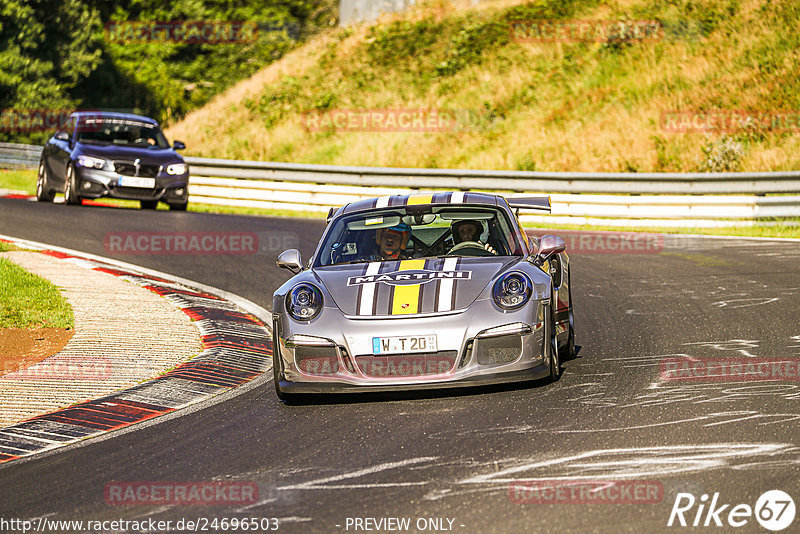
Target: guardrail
<point x="620" y="199"/>
<point x="16" y="156"/>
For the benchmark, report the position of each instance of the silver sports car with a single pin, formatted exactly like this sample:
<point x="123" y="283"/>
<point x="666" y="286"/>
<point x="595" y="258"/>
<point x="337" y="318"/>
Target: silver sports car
<point x="423" y="291"/>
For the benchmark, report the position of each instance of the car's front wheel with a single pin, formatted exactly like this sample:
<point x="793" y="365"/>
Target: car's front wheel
<point x="148" y="204"/>
<point x="178" y="207"/>
<point x="555" y="361"/>
<point x="43" y="191"/>
<point x="570" y="351"/>
<point x="70" y="187"/>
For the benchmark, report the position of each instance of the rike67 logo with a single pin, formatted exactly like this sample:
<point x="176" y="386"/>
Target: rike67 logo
<point x="774" y="510"/>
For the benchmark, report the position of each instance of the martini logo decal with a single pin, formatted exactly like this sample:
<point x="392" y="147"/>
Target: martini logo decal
<point x="410" y="277"/>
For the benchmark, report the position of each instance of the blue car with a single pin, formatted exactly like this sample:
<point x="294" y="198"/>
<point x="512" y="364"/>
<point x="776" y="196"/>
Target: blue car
<point x="117" y="155"/>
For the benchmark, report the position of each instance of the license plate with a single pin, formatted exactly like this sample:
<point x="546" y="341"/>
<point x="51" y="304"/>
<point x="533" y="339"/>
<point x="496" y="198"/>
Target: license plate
<point x="404" y="344"/>
<point x="136" y="181"/>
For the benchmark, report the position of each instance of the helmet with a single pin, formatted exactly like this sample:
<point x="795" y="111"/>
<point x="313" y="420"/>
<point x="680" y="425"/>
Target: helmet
<point x="401" y="228"/>
<point x="456" y="226"/>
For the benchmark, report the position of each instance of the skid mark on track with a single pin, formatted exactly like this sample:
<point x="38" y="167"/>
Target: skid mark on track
<point x="743" y="346"/>
<point x="332" y="482"/>
<point x="745" y="302"/>
<point x="437" y="479"/>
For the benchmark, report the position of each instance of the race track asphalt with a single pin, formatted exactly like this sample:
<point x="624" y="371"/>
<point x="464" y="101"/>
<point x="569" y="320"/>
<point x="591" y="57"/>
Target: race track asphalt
<point x="458" y="455"/>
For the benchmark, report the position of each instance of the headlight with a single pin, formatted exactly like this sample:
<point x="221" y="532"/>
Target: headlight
<point x="512" y="290"/>
<point x="304" y="302"/>
<point x="92" y="163"/>
<point x="176" y="168"/>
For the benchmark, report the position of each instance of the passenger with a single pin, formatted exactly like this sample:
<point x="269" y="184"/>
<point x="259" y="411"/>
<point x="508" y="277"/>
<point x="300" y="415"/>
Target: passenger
<point x="469" y="230"/>
<point x="391" y="243"/>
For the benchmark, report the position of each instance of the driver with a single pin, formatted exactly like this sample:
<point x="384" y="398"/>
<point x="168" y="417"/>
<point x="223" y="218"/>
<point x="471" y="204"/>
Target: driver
<point x="391" y="243"/>
<point x="469" y="230"/>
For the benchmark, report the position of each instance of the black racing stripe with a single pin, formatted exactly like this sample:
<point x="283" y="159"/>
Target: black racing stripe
<point x="386" y="267"/>
<point x="422" y="287"/>
<point x="398" y="200"/>
<point x="438" y="265"/>
<point x="441" y="198"/>
<point x="455" y="287"/>
<point x="360" y="291"/>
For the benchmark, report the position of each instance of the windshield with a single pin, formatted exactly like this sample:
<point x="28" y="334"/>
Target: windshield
<point x="124" y="132"/>
<point x="415" y="232"/>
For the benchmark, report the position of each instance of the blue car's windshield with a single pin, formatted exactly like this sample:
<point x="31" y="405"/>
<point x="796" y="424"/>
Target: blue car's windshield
<point x="124" y="132"/>
<point x="403" y="233"/>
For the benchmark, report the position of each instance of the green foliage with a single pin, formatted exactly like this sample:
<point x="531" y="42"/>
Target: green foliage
<point x="526" y="163"/>
<point x="689" y="19"/>
<point x="393" y="44"/>
<point x="666" y="157"/>
<point x="277" y="101"/>
<point x="61" y="55"/>
<point x="549" y="9"/>
<point x="724" y="155"/>
<point x="472" y="41"/>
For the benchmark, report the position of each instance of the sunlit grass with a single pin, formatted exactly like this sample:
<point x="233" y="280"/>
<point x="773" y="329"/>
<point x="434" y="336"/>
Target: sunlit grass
<point x="29" y="301"/>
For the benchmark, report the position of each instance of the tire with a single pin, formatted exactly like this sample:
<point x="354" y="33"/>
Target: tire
<point x="43" y="192"/>
<point x="569" y="352"/>
<point x="148" y="204"/>
<point x="70" y="194"/>
<point x="555" y="361"/>
<point x="178" y="207"/>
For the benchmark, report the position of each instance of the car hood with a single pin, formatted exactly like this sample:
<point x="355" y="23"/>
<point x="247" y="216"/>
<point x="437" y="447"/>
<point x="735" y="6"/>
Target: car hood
<point x="147" y="156"/>
<point x="410" y="287"/>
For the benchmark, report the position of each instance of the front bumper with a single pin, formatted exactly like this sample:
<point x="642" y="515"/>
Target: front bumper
<point x="337" y="357"/>
<point x="96" y="183"/>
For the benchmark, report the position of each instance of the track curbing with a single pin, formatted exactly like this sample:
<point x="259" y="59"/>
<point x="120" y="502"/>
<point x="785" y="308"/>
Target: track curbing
<point x="237" y="349"/>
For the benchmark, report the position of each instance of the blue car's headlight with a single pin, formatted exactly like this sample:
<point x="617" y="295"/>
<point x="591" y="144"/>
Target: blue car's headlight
<point x="92" y="163"/>
<point x="512" y="290"/>
<point x="304" y="302"/>
<point x="176" y="168"/>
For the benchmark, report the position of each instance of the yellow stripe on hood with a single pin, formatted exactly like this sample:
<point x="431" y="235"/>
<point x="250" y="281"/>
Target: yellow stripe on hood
<point x="405" y="299"/>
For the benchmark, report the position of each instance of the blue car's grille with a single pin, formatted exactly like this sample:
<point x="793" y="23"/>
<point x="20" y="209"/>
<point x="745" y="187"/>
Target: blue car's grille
<point x="129" y="169"/>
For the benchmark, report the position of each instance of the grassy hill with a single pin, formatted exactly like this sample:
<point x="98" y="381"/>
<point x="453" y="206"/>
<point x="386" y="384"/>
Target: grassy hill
<point x="527" y="104"/>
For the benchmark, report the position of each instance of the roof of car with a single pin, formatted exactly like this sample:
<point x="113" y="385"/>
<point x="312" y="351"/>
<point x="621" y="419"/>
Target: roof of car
<point x="450" y="197"/>
<point x="113" y="115"/>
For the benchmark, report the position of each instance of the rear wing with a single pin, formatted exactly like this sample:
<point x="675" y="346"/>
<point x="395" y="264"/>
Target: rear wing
<point x="530" y="203"/>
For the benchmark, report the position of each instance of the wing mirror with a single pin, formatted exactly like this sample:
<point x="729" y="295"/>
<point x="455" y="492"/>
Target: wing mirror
<point x="62" y="136"/>
<point x="548" y="246"/>
<point x="290" y="259"/>
<point x="178" y="145"/>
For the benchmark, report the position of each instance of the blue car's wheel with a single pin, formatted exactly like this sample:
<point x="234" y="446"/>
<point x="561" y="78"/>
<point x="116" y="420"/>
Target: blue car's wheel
<point x="43" y="191"/>
<point x="70" y="193"/>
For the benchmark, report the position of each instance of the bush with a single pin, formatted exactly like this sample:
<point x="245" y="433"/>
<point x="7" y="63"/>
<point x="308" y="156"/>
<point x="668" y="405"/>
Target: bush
<point x="725" y="155"/>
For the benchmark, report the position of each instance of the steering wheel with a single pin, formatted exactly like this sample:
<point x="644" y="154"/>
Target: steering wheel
<point x="473" y="245"/>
